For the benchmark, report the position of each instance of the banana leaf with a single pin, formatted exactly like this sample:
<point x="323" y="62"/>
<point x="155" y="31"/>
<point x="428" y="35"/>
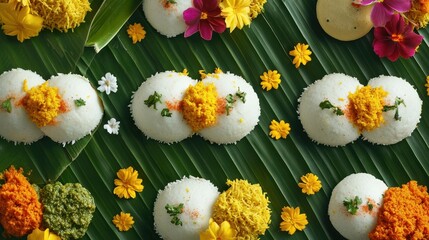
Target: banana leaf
<point x="275" y="165"/>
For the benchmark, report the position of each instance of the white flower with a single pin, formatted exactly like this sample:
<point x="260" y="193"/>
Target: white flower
<point x="112" y="126"/>
<point x="108" y="84"/>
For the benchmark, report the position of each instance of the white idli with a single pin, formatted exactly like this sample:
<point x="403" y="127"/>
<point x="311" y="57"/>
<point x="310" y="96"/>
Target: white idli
<point x="242" y="117"/>
<point x="171" y="86"/>
<point x="323" y="125"/>
<point x="165" y="17"/>
<point x="16" y="125"/>
<point x="77" y="121"/>
<point x="370" y="191"/>
<point x="342" y="20"/>
<point x="392" y="130"/>
<point x="197" y="196"/>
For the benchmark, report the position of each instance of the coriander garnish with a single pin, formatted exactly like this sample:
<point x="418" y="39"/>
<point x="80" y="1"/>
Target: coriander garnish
<point x="7" y="105"/>
<point x="171" y="1"/>
<point x="153" y="99"/>
<point x="398" y="101"/>
<point x="328" y="105"/>
<point x="166" y="112"/>
<point x="79" y="102"/>
<point x="352" y="205"/>
<point x="370" y="206"/>
<point x="241" y="95"/>
<point x="231" y="99"/>
<point x="174" y="211"/>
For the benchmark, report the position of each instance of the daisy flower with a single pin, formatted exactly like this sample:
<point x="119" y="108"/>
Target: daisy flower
<point x="292" y="220"/>
<point x="108" y="84"/>
<point x="127" y="183"/>
<point x="216" y="232"/>
<point x="279" y="129"/>
<point x="136" y="32"/>
<point x="123" y="221"/>
<point x="112" y="126"/>
<point x="270" y="79"/>
<point x="301" y="54"/>
<point x="310" y="184"/>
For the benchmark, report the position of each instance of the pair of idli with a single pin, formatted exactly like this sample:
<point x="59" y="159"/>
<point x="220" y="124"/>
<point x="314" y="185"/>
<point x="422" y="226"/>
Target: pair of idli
<point x="323" y="108"/>
<point x="157" y="108"/>
<point x="80" y="112"/>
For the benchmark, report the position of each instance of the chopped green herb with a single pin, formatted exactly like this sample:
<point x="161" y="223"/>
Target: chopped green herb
<point x="174" y="211"/>
<point x="79" y="102"/>
<point x="153" y="99"/>
<point x="231" y="99"/>
<point x="398" y="101"/>
<point x="241" y="95"/>
<point x="352" y="205"/>
<point x="370" y="206"/>
<point x="7" y="105"/>
<point x="166" y="112"/>
<point x="171" y="1"/>
<point x="328" y="105"/>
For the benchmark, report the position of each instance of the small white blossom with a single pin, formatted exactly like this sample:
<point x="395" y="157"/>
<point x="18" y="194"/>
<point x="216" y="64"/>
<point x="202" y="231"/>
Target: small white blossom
<point x="112" y="126"/>
<point x="108" y="84"/>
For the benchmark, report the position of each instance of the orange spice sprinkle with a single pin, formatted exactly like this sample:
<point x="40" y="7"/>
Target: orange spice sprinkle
<point x="20" y="209"/>
<point x="404" y="213"/>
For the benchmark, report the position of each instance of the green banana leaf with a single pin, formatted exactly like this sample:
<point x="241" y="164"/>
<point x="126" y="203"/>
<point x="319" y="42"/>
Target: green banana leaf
<point x="275" y="165"/>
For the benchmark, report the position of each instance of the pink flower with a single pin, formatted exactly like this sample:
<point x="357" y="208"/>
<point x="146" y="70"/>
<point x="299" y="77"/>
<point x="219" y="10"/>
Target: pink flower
<point x="204" y="17"/>
<point x="384" y="9"/>
<point x="396" y="39"/>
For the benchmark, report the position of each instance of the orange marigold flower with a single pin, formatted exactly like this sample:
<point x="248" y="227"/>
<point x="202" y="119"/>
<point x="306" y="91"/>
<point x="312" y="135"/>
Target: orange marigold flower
<point x="301" y="54"/>
<point x="136" y="32"/>
<point x="310" y="184"/>
<point x="123" y="221"/>
<point x="292" y="220"/>
<point x="127" y="183"/>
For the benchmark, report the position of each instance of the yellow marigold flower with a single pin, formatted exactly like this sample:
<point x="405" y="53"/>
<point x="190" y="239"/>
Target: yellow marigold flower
<point x="365" y="108"/>
<point x="292" y="220"/>
<point x="136" y="32"/>
<point x="256" y="7"/>
<point x="127" y="183"/>
<point x="20" y="23"/>
<point x="427" y="85"/>
<point x="270" y="79"/>
<point x="310" y="184"/>
<point x="216" y="232"/>
<point x="279" y="129"/>
<point x="236" y="13"/>
<point x="123" y="221"/>
<point x="301" y="54"/>
<point x="38" y="234"/>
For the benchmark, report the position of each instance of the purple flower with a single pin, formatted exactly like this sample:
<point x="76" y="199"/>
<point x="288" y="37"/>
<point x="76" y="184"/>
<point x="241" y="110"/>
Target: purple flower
<point x="396" y="39"/>
<point x="204" y="17"/>
<point x="384" y="9"/>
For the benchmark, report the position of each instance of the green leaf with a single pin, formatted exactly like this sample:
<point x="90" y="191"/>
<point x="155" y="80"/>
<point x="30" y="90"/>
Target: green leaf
<point x="110" y="18"/>
<point x="275" y="165"/>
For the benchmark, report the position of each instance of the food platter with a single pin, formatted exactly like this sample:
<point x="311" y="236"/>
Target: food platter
<point x="275" y="165"/>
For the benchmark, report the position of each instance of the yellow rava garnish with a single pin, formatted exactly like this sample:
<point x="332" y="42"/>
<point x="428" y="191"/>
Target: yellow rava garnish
<point x="245" y="207"/>
<point x="43" y="104"/>
<point x="200" y="105"/>
<point x="365" y="108"/>
<point x="61" y="14"/>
